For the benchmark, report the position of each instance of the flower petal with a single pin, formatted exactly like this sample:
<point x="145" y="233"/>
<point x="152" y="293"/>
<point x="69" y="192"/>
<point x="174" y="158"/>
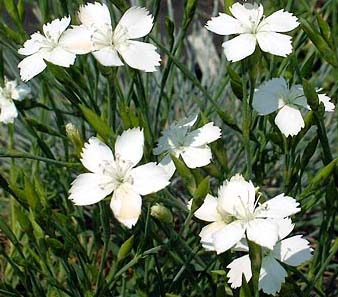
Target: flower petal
<point x="248" y="14"/>
<point x="168" y="165"/>
<point x="135" y="23"/>
<point x="274" y="43"/>
<point x="272" y="275"/>
<point x="263" y="232"/>
<point x="225" y="25"/>
<point x="197" y="156"/>
<point x="204" y="135"/>
<point x="278" y="207"/>
<point x="149" y="178"/>
<point x="238" y="268"/>
<point x="208" y="210"/>
<point x="31" y="66"/>
<point x="285" y="227"/>
<point x="237" y="197"/>
<point x="96" y="156"/>
<point x="279" y="21"/>
<point x="54" y="29"/>
<point x="293" y="251"/>
<point x="77" y="40"/>
<point x="8" y="111"/>
<point x="140" y="55"/>
<point x="60" y="56"/>
<point x="129" y="145"/>
<point x="126" y="205"/>
<point x="239" y="47"/>
<point x="108" y="56"/>
<point x="94" y="14"/>
<point x="90" y="188"/>
<point x="228" y="236"/>
<point x="268" y="97"/>
<point x="32" y="45"/>
<point x="289" y="120"/>
<point x="329" y="106"/>
<point x="207" y="234"/>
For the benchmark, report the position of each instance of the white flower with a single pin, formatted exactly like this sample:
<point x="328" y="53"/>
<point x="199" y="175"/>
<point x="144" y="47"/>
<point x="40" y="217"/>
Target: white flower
<point x="276" y="95"/>
<point x="11" y="91"/>
<point x="118" y="175"/>
<point x="292" y="251"/>
<point x="252" y="27"/>
<point x="179" y="140"/>
<point x="52" y="47"/>
<point x="234" y="214"/>
<point x="97" y="35"/>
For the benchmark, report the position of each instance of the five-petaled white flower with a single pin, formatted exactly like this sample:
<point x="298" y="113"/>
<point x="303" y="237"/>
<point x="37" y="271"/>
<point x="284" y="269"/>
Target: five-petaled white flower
<point x="292" y="251"/>
<point x="252" y="27"/>
<point x="179" y="140"/>
<point x="275" y="95"/>
<point x="53" y="47"/>
<point x="96" y="35"/>
<point x="118" y="175"/>
<point x="234" y="214"/>
<point x="11" y="91"/>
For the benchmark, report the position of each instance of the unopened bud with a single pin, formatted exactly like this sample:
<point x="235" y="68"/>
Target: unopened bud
<point x="161" y="213"/>
<point x="75" y="137"/>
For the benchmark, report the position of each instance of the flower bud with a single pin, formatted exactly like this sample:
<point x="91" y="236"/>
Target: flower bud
<point x="75" y="137"/>
<point x="161" y="213"/>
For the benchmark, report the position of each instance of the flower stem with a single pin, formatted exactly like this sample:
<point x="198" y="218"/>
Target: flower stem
<point x="255" y="253"/>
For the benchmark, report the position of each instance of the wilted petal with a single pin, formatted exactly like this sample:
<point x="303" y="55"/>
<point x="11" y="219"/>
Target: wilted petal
<point x="8" y="111"/>
<point x="272" y="275"/>
<point x="77" y="40"/>
<point x="126" y="205"/>
<point x="228" y="236"/>
<point x="207" y="234"/>
<point x="94" y="14"/>
<point x="135" y="23"/>
<point x="274" y="43"/>
<point x="197" y="156"/>
<point x="129" y="145"/>
<point x="238" y="268"/>
<point x="90" y="188"/>
<point x="31" y="66"/>
<point x="239" y="47"/>
<point x="289" y="120"/>
<point x="278" y="208"/>
<point x="20" y="92"/>
<point x="237" y="196"/>
<point x="140" y="55"/>
<point x="262" y="232"/>
<point x="279" y="21"/>
<point x="54" y="29"/>
<point x="204" y="135"/>
<point x="96" y="156"/>
<point x="149" y="178"/>
<point x="225" y="25"/>
<point x="208" y="210"/>
<point x="293" y="251"/>
<point x="268" y="97"/>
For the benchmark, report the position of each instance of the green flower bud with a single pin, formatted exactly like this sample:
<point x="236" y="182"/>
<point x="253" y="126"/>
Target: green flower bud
<point x="161" y="213"/>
